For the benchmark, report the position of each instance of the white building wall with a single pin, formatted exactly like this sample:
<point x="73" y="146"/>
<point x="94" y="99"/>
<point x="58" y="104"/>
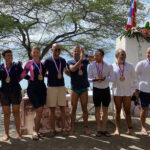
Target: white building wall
<point x="134" y="51"/>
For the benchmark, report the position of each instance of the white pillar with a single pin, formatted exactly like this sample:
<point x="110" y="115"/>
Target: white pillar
<point x="135" y="51"/>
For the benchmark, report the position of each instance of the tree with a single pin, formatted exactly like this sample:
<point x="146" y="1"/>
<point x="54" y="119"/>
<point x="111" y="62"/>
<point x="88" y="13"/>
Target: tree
<point x="88" y="23"/>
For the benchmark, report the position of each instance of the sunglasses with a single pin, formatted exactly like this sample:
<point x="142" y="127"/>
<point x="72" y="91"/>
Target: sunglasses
<point x="57" y="50"/>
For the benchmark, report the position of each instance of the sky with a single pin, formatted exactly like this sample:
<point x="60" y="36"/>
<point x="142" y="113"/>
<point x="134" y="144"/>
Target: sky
<point x="147" y="3"/>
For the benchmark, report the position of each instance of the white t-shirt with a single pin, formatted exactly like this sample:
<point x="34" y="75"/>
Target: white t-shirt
<point x="126" y="87"/>
<point x="142" y="70"/>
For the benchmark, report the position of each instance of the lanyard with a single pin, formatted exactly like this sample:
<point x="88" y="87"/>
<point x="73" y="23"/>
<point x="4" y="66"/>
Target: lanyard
<point x="5" y="67"/>
<point x="58" y="69"/>
<point x="79" y="66"/>
<point x="99" y="71"/>
<point x="120" y="70"/>
<point x="39" y="68"/>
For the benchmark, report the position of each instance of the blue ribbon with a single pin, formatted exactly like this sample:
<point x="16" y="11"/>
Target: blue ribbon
<point x="6" y="69"/>
<point x="58" y="69"/>
<point x="38" y="66"/>
<point x="98" y="70"/>
<point x="148" y="61"/>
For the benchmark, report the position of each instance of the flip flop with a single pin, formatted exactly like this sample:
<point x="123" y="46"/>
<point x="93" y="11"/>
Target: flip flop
<point x="144" y="133"/>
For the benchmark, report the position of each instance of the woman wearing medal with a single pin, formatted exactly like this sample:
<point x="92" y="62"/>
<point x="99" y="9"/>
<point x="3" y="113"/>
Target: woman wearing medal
<point x="124" y="84"/>
<point x="10" y="91"/>
<point x="36" y="89"/>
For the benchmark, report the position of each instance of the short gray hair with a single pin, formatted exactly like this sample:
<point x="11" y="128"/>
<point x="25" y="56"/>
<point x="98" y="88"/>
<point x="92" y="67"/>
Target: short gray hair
<point x="118" y="51"/>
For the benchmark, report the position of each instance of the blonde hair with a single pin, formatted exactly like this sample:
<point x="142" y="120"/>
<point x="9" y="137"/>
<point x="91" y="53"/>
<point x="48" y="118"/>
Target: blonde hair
<point x="35" y="47"/>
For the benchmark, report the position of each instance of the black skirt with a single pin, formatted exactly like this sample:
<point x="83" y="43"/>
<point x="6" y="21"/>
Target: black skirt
<point x="37" y="94"/>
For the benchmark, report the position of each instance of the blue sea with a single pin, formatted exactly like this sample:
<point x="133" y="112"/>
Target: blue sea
<point x="109" y="58"/>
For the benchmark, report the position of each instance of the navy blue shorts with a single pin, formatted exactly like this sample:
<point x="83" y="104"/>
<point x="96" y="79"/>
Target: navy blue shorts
<point x="37" y="94"/>
<point x="101" y="97"/>
<point x="145" y="99"/>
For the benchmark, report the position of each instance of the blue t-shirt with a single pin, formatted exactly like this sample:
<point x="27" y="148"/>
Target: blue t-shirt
<point x="14" y="74"/>
<point x="52" y="71"/>
<point x="79" y="82"/>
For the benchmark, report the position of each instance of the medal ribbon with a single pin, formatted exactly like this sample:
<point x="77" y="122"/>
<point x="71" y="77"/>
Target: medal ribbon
<point x="148" y="61"/>
<point x="79" y="66"/>
<point x="121" y="71"/>
<point x="5" y="67"/>
<point x="40" y="69"/>
<point x="99" y="71"/>
<point x="58" y="69"/>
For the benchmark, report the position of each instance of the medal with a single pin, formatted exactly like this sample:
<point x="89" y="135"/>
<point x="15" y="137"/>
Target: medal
<point x="101" y="76"/>
<point x="99" y="71"/>
<point x="7" y="79"/>
<point x="80" y="72"/>
<point x="40" y="77"/>
<point x="122" y="78"/>
<point x="59" y="75"/>
<point x="7" y="72"/>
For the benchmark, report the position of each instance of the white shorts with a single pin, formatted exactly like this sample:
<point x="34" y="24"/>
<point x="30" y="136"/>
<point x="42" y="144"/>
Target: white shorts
<point x="56" y="96"/>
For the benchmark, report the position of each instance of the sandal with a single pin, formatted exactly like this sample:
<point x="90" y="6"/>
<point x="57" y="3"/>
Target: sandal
<point x="106" y="133"/>
<point x="99" y="133"/>
<point x="144" y="133"/>
<point x="52" y="133"/>
<point x="41" y="135"/>
<point x="64" y="132"/>
<point x="35" y="137"/>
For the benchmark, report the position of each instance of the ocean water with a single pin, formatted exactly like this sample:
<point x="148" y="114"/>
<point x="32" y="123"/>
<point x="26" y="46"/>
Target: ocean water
<point x="109" y="58"/>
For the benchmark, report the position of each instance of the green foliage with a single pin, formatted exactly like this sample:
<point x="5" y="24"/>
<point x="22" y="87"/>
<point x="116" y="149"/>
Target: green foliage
<point x="147" y="26"/>
<point x="138" y="32"/>
<point x="6" y="24"/>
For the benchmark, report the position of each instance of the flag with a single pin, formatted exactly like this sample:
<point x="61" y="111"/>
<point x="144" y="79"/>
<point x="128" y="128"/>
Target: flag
<point x="131" y="20"/>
